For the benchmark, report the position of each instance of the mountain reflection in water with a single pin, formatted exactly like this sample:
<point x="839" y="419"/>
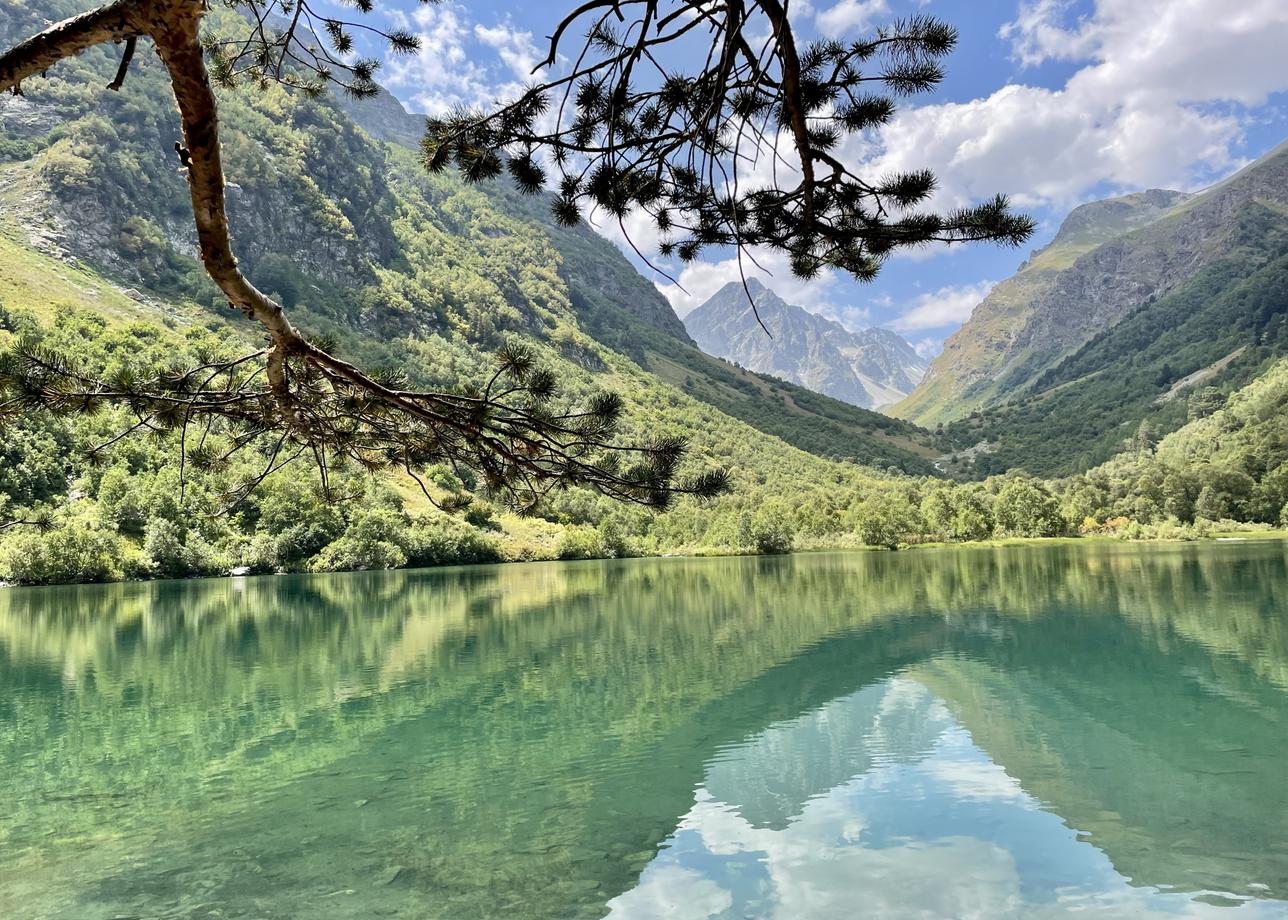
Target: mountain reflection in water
<point x="1017" y="732"/>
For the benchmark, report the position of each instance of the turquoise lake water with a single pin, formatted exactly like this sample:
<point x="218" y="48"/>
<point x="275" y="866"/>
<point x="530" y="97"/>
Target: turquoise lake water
<point x="1025" y="732"/>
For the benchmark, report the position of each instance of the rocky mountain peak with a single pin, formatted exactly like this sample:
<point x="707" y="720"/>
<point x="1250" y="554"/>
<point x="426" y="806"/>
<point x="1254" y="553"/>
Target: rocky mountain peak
<point x="870" y="368"/>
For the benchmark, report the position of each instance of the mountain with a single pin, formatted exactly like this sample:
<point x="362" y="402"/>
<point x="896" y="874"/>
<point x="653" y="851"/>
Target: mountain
<point x="872" y="368"/>
<point x="333" y="214"/>
<point x="1210" y="283"/>
<point x="1083" y="281"/>
<point x="332" y="210"/>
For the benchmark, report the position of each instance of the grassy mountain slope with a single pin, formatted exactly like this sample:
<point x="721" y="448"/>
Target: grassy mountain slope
<point x="1051" y="304"/>
<point x="1217" y="329"/>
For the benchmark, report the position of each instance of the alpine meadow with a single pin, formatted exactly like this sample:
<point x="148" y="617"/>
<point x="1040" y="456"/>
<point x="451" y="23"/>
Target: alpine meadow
<point x="960" y="335"/>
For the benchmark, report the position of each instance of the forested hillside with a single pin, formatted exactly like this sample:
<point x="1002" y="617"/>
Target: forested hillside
<point x="1109" y="260"/>
<point x="1226" y="463"/>
<point x="399" y="269"/>
<point x="1155" y="367"/>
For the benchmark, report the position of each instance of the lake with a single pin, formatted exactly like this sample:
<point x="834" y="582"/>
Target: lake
<point x="1097" y="730"/>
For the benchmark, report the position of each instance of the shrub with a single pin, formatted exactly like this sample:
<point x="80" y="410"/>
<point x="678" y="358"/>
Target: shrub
<point x="579" y="541"/>
<point x="78" y="552"/>
<point x="171" y="552"/>
<point x="373" y="540"/>
<point x="447" y="541"/>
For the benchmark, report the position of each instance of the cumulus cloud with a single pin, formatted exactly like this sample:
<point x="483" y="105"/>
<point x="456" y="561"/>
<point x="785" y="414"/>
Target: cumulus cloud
<point x="442" y="74"/>
<point x="697" y="281"/>
<point x="849" y="16"/>
<point x="947" y="307"/>
<point x="1161" y="50"/>
<point x="514" y="46"/>
<point x="1160" y="100"/>
<point x="460" y="62"/>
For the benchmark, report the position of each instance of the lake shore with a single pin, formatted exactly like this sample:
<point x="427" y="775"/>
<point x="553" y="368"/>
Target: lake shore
<point x="809" y="547"/>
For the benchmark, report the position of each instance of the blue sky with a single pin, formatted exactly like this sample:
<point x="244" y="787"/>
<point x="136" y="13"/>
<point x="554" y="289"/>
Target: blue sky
<point x="1054" y="102"/>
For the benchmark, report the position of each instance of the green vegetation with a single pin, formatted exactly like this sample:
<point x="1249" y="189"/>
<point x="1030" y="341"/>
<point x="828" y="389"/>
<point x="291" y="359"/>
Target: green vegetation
<point x="91" y="507"/>
<point x="1157" y="365"/>
<point x="420" y="272"/>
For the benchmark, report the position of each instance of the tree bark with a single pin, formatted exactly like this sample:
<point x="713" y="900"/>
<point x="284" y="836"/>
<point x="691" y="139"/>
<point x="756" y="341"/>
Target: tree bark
<point x="110" y="23"/>
<point x="175" y="31"/>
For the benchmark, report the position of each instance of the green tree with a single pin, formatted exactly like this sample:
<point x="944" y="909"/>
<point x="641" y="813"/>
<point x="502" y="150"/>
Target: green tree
<point x="771" y="532"/>
<point x="625" y="141"/>
<point x="1025" y="508"/>
<point x="32" y="460"/>
<point x="1204" y="402"/>
<point x="1211" y="505"/>
<point x="972" y="517"/>
<point x="887" y="518"/>
<point x="1180" y="490"/>
<point x="937" y="509"/>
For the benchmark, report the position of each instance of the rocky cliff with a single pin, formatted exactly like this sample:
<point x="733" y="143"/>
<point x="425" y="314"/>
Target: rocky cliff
<point x="872" y="368"/>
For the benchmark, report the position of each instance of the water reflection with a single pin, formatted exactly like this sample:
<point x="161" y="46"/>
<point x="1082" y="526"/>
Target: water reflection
<point x="939" y="830"/>
<point x="1015" y="732"/>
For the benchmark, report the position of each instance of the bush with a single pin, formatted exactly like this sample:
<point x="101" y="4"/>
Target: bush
<point x="447" y="541"/>
<point x="171" y="552"/>
<point x="579" y="541"/>
<point x="76" y="553"/>
<point x="771" y="533"/>
<point x="373" y="540"/>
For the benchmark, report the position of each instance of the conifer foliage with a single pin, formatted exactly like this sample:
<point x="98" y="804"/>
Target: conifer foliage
<point x="623" y="130"/>
<point x="746" y="150"/>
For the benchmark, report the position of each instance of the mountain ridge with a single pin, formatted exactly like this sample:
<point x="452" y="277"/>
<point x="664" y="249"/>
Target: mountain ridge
<point x="871" y="369"/>
<point x="1109" y="259"/>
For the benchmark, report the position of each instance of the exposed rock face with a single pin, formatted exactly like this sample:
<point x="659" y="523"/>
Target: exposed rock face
<point x="313" y="190"/>
<point x="1109" y="258"/>
<point x="383" y="117"/>
<point x="872" y="368"/>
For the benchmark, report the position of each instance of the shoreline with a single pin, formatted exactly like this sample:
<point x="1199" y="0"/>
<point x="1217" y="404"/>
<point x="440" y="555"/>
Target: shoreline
<point x="1223" y="536"/>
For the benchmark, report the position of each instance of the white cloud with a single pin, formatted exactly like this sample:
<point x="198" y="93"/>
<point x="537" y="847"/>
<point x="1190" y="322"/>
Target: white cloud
<point x="671" y="893"/>
<point x="1170" y="51"/>
<point x="927" y="348"/>
<point x="1158" y="102"/>
<point x="850" y="16"/>
<point x="1037" y="33"/>
<point x="1051" y="147"/>
<point x="699" y="280"/>
<point x="449" y="69"/>
<point x="514" y="46"/>
<point x="975" y="779"/>
<point x="948" y="306"/>
<point x="442" y="74"/>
